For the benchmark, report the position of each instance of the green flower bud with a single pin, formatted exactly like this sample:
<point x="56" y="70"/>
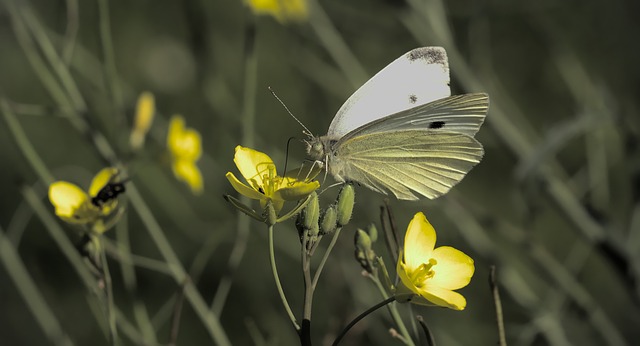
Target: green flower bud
<point x="311" y="213"/>
<point x="328" y="223"/>
<point x="373" y="233"/>
<point x="313" y="233"/>
<point x="363" y="251"/>
<point x="346" y="199"/>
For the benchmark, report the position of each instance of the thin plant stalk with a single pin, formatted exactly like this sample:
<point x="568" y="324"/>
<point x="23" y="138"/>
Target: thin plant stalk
<point x="28" y="289"/>
<point x="276" y="277"/>
<point x="316" y="276"/>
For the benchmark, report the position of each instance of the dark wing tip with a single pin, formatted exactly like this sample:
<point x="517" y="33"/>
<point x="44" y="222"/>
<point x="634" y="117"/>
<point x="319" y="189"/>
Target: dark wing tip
<point x="431" y="55"/>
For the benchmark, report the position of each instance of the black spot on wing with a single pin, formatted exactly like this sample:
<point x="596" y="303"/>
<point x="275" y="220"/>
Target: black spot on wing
<point x="436" y="124"/>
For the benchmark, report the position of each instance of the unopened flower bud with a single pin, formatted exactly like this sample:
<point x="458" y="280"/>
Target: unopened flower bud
<point x="363" y="252"/>
<point x="373" y="233"/>
<point x="346" y="200"/>
<point x="328" y="223"/>
<point x="311" y="214"/>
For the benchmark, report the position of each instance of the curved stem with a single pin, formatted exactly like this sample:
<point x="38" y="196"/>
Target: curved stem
<point x="361" y="316"/>
<point x="393" y="310"/>
<point x="274" y="269"/>
<point x="316" y="276"/>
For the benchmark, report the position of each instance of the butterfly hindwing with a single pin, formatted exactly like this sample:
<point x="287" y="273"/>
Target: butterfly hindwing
<point x="407" y="162"/>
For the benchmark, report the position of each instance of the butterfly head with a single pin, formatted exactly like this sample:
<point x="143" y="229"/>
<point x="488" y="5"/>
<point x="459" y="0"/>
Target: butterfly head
<point x="315" y="148"/>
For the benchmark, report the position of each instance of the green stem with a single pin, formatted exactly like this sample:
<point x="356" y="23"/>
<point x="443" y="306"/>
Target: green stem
<point x="24" y="144"/>
<point x="130" y="282"/>
<point x="335" y="45"/>
<point x="28" y="289"/>
<point x="393" y="310"/>
<point x="108" y="291"/>
<point x="49" y="51"/>
<point x="109" y="66"/>
<point x="305" y="332"/>
<point x="248" y="120"/>
<point x="274" y="270"/>
<point x="360" y="317"/>
<point x="493" y="283"/>
<point x="325" y="257"/>
<point x="210" y="320"/>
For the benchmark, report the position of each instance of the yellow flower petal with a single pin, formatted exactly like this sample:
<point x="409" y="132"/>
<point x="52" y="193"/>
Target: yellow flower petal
<point x="296" y="191"/>
<point x="101" y="180"/>
<point x="176" y="128"/>
<point x="419" y="241"/>
<point x="183" y="143"/>
<point x="242" y="188"/>
<point x="67" y="198"/>
<point x="407" y="283"/>
<point x="145" y="111"/>
<point x="430" y="274"/>
<point x="454" y="269"/>
<point x="256" y="167"/>
<point x="443" y="297"/>
<point x="190" y="145"/>
<point x="282" y="10"/>
<point x="187" y="171"/>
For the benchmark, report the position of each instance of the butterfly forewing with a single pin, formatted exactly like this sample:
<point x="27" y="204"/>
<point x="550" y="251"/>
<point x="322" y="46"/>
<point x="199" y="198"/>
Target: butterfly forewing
<point x="407" y="162"/>
<point x="417" y="77"/>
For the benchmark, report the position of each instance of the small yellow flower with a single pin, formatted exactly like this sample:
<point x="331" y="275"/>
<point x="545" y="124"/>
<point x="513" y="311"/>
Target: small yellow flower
<point x="76" y="206"/>
<point x="145" y="111"/>
<point x="185" y="146"/>
<point x="264" y="183"/>
<point x="428" y="276"/>
<point x="282" y="10"/>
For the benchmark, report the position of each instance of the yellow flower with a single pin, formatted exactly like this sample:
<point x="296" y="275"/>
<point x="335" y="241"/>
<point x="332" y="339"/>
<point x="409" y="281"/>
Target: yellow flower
<point x="145" y="111"/>
<point x="428" y="276"/>
<point x="264" y="183"/>
<point x="185" y="146"/>
<point x="76" y="206"/>
<point x="282" y="10"/>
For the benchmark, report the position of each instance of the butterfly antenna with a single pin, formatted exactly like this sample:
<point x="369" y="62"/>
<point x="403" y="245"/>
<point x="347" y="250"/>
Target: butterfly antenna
<point x="306" y="130"/>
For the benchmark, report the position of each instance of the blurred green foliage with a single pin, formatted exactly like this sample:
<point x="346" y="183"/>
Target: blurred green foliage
<point x="555" y="203"/>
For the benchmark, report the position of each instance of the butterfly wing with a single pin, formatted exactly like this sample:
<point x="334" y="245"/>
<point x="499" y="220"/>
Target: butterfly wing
<point x="460" y="113"/>
<point x="406" y="162"/>
<point x="416" y="78"/>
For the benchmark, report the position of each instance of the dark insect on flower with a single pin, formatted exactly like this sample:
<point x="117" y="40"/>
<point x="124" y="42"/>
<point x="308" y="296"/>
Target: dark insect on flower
<point x="107" y="193"/>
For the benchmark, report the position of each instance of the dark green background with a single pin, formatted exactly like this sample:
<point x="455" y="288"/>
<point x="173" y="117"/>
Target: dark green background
<point x="561" y="141"/>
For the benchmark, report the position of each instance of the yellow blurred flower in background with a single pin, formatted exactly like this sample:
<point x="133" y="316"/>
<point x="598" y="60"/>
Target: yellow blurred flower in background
<point x="185" y="146"/>
<point x="265" y="184"/>
<point x="282" y="10"/>
<point x="428" y="275"/>
<point x="74" y="205"/>
<point x="145" y="112"/>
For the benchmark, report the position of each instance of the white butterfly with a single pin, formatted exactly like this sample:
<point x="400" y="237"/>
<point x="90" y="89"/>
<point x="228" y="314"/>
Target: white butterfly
<point x="402" y="132"/>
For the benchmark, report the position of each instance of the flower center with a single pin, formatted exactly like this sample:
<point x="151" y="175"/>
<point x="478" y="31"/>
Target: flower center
<point x="424" y="272"/>
<point x="270" y="181"/>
